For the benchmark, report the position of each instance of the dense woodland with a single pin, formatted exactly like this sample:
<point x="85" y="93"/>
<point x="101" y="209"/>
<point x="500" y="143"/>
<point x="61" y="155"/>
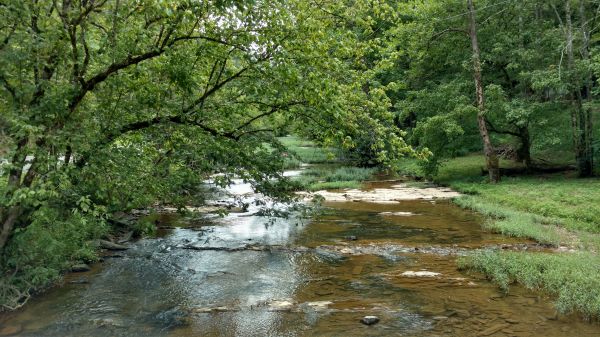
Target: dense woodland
<point x="114" y="105"/>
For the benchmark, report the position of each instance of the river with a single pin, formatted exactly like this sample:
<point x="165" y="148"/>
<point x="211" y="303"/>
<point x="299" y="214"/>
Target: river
<point x="241" y="275"/>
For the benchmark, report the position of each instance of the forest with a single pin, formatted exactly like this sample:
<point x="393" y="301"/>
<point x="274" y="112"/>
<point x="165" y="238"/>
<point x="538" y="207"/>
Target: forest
<point x="118" y="114"/>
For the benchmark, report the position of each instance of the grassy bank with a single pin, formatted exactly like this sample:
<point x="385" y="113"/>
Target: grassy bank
<point x="557" y="210"/>
<point x="330" y="170"/>
<point x="306" y="152"/>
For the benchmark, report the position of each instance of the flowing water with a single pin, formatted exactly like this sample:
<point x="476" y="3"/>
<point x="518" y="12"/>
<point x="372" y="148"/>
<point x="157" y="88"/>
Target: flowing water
<point x="241" y="275"/>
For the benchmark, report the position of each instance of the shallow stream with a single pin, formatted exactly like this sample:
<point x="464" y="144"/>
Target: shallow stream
<point x="242" y="276"/>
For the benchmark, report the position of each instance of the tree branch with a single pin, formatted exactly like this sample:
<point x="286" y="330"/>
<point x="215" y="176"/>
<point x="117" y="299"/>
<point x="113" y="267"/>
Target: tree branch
<point x="274" y="109"/>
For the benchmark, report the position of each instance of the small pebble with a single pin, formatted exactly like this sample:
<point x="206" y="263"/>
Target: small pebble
<point x="370" y="320"/>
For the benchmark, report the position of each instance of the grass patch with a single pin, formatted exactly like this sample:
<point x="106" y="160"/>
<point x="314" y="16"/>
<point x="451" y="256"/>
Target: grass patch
<point x="514" y="223"/>
<point x="333" y="185"/>
<point x="315" y="179"/>
<point x="295" y="142"/>
<point x="574" y="279"/>
<point x="570" y="203"/>
<point x="304" y="151"/>
<point x="550" y="209"/>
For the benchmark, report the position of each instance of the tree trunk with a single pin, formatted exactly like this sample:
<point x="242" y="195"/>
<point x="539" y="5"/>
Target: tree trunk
<point x="491" y="159"/>
<point x="8" y="224"/>
<point x="524" y="151"/>
<point x="10" y="214"/>
<point x="579" y="120"/>
<point x="587" y="90"/>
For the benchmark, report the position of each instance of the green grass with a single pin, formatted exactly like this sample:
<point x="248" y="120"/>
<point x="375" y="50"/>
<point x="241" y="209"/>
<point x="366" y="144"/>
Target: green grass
<point x="570" y="203"/>
<point x="514" y="223"/>
<point x="295" y="142"/>
<point x="315" y="179"/>
<point x="303" y="151"/>
<point x="333" y="185"/>
<point x="573" y="278"/>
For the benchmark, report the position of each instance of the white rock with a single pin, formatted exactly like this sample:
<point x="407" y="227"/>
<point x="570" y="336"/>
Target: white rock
<point x="421" y="273"/>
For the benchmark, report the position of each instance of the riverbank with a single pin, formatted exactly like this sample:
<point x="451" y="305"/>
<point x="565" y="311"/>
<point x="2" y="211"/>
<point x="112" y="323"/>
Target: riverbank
<point x="557" y="210"/>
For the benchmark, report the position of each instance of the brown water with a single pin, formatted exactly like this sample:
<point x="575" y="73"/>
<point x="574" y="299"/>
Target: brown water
<point x="252" y="278"/>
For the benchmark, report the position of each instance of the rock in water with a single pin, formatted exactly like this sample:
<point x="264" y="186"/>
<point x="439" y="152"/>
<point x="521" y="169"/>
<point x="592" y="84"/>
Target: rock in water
<point x="111" y="245"/>
<point x="370" y="320"/>
<point x="420" y="274"/>
<point x="80" y="268"/>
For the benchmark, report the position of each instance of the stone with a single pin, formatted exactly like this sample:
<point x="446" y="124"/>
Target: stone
<point x="126" y="237"/>
<point x="440" y="318"/>
<point x="319" y="305"/>
<point x="351" y="238"/>
<point x="10" y="330"/>
<point x="111" y="245"/>
<point x="81" y="280"/>
<point x="420" y="274"/>
<point x="282" y="305"/>
<point x="81" y="267"/>
<point x="369" y="320"/>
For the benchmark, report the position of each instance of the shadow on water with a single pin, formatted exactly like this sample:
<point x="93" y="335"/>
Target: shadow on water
<point x="239" y="276"/>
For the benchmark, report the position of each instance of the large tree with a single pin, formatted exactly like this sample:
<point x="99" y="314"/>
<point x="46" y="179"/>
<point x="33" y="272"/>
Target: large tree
<point x="104" y="101"/>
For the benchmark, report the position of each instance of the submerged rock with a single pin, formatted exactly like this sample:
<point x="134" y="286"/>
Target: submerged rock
<point x="81" y="267"/>
<point x="10" y="330"/>
<point x="369" y="320"/>
<point x="171" y="318"/>
<point x="493" y="329"/>
<point x="108" y="323"/>
<point x="111" y="245"/>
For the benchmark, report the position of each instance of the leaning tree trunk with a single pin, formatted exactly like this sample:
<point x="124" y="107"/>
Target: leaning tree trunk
<point x="10" y="214"/>
<point x="491" y="160"/>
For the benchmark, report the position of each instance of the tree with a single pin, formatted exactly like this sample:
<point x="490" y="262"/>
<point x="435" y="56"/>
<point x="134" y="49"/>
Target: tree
<point x="488" y="149"/>
<point x="170" y="90"/>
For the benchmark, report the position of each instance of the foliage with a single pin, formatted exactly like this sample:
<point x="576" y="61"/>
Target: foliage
<point x="107" y="107"/>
